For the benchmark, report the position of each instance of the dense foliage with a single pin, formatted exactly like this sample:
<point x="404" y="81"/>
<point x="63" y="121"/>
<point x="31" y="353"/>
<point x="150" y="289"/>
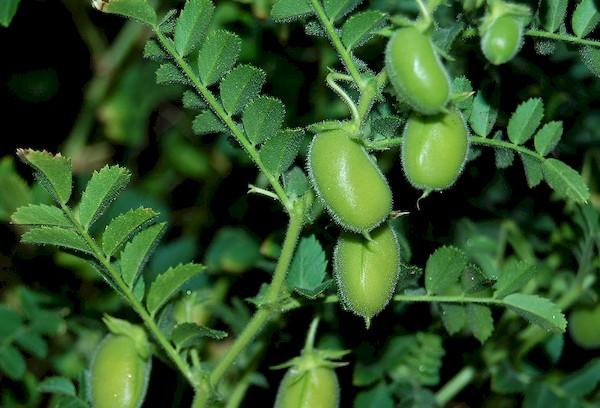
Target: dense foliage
<point x="302" y="203"/>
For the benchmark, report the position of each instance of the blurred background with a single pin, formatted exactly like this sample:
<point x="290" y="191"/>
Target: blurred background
<point x="73" y="80"/>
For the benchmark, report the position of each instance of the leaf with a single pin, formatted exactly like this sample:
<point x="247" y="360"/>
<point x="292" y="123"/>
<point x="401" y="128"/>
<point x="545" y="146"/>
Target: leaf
<point x="168" y="284"/>
<point x="278" y="153"/>
<point x="239" y="86"/>
<point x="308" y="268"/>
<point x="548" y="137"/>
<point x="187" y="335"/>
<point x="218" y="54"/>
<point x="591" y="58"/>
<point x="12" y="362"/>
<point x="168" y="73"/>
<point x="359" y="28"/>
<point x="191" y="100"/>
<point x="57" y="236"/>
<point x="525" y="120"/>
<point x="504" y="156"/>
<point x="537" y="310"/>
<point x="443" y="269"/>
<point x="288" y="10"/>
<point x="8" y="9"/>
<point x="480" y="321"/>
<point x="533" y="170"/>
<point x="379" y="396"/>
<point x="262" y="118"/>
<point x="336" y="9"/>
<point x="514" y="275"/>
<point x="41" y="214"/>
<point x="585" y="18"/>
<point x="153" y="51"/>
<point x="11" y="322"/>
<point x="565" y="181"/>
<point x="192" y="24"/>
<point x="553" y="13"/>
<point x="206" y="123"/>
<point x="137" y="9"/>
<point x="33" y="343"/>
<point x="295" y="182"/>
<point x="385" y="126"/>
<point x="136" y="253"/>
<point x="454" y="317"/>
<point x="102" y="189"/>
<point x="57" y="385"/>
<point x="583" y="381"/>
<point x="123" y="227"/>
<point x="232" y="250"/>
<point x="53" y="172"/>
<point x="462" y="86"/>
<point x="484" y="111"/>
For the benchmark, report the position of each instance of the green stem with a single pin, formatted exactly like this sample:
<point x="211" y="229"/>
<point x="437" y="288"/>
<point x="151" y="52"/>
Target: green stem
<point x="309" y="344"/>
<point x="562" y="37"/>
<point x="337" y="43"/>
<point x="384" y="144"/>
<point x="506" y="145"/>
<point x="265" y="313"/>
<point x="218" y="109"/>
<point x="446" y="299"/>
<point x="331" y="78"/>
<point x="455" y="386"/>
<point x="135" y="304"/>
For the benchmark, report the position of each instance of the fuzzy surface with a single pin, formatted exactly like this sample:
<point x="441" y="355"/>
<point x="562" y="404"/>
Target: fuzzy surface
<point x="502" y="40"/>
<point x="313" y="388"/>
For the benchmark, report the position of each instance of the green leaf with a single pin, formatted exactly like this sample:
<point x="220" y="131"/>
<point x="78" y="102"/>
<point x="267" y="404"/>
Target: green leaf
<point x="462" y="86"/>
<point x="191" y="100"/>
<point x="65" y="238"/>
<point x="57" y="385"/>
<point x="187" y="335"/>
<point x="33" y="343"/>
<point x="153" y="51"/>
<point x="11" y="322"/>
<point x="591" y="58"/>
<point x="136" y="253"/>
<point x="359" y="28"/>
<point x="480" y="321"/>
<point x="41" y="214"/>
<point x="12" y="362"/>
<point x="533" y="170"/>
<point x="582" y="382"/>
<point x="336" y="9"/>
<point x="192" y="24"/>
<point x="553" y="13"/>
<point x="53" y="172"/>
<point x="484" y="111"/>
<point x="504" y="156"/>
<point x="241" y="85"/>
<point x="278" y="153"/>
<point x="14" y="191"/>
<point x="548" y="137"/>
<point x="206" y="123"/>
<point x="443" y="269"/>
<point x="565" y="181"/>
<point x="288" y="10"/>
<point x="137" y="9"/>
<point x="8" y="9"/>
<point x="123" y="227"/>
<point x="295" y="182"/>
<point x="454" y="317"/>
<point x="169" y="283"/>
<point x="585" y="18"/>
<point x="232" y="250"/>
<point x="168" y="73"/>
<point x="379" y="396"/>
<point x="218" y="54"/>
<point x="537" y="310"/>
<point x="514" y="275"/>
<point x="262" y="118"/>
<point x="102" y="189"/>
<point x="308" y="268"/>
<point x="525" y="120"/>
<point x="385" y="126"/>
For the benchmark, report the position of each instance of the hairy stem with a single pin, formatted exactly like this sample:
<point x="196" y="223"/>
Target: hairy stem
<point x="562" y="37"/>
<point x="456" y="384"/>
<point x="133" y="301"/>
<point x="218" y="109"/>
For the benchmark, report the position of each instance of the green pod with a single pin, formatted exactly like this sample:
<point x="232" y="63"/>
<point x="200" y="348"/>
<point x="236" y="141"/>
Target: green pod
<point x="348" y="181"/>
<point x="366" y="271"/>
<point x="416" y="72"/>
<point x="434" y="150"/>
<point x="502" y="39"/>
<point x="309" y="388"/>
<point x="118" y="374"/>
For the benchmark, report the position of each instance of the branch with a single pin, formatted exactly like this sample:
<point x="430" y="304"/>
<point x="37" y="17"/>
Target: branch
<point x="563" y="37"/>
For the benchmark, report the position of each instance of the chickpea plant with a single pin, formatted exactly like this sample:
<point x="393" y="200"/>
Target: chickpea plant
<point x="440" y="123"/>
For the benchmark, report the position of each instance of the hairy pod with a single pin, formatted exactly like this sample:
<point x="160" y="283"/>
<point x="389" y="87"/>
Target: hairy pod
<point x="502" y="39"/>
<point x="118" y="374"/>
<point x="309" y="387"/>
<point x="366" y="270"/>
<point x="416" y="72"/>
<point x="348" y="181"/>
<point x="434" y="150"/>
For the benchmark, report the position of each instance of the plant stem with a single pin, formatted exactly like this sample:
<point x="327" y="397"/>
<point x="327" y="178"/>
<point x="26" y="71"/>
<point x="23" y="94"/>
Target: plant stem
<point x="446" y="299"/>
<point x="309" y="344"/>
<point x="218" y="109"/>
<point x="265" y="313"/>
<point x="337" y="43"/>
<point x="562" y="37"/>
<point x="135" y="304"/>
<point x="455" y="385"/>
<point x="506" y="145"/>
